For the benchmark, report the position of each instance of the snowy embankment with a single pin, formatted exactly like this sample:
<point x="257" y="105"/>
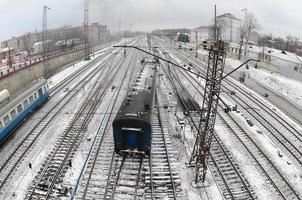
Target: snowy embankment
<point x="280" y="84"/>
<point x="59" y="77"/>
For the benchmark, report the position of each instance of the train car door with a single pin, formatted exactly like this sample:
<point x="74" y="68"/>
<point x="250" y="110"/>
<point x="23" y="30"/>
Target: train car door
<point x="131" y="137"/>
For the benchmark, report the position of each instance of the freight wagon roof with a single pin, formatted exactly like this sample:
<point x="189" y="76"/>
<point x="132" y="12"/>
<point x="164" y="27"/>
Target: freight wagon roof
<point x="21" y="94"/>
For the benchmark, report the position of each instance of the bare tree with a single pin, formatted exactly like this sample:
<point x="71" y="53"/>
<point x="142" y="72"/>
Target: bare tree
<point x="264" y="39"/>
<point x="219" y="28"/>
<point x="292" y="43"/>
<point x="279" y="43"/>
<point x="248" y="26"/>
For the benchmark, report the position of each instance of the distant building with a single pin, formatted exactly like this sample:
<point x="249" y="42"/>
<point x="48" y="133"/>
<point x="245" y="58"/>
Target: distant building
<point x="203" y="33"/>
<point x="15" y="42"/>
<point x="104" y="32"/>
<point x="6" y="52"/>
<point x="230" y="28"/>
<point x="96" y="33"/>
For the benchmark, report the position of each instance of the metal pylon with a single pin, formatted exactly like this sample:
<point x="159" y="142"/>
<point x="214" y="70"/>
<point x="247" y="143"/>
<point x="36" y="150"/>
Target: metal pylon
<point x="201" y="150"/>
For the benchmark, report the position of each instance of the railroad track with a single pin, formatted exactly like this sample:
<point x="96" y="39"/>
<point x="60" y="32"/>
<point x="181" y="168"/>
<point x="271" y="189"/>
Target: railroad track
<point x="288" y="141"/>
<point x="137" y="177"/>
<point x="259" y="157"/>
<point x="131" y="177"/>
<point x="278" y="129"/>
<point x="268" y="111"/>
<point x="74" y="75"/>
<point x="47" y="183"/>
<point x="161" y="177"/>
<point x="126" y="178"/>
<point x="227" y="172"/>
<point x="264" y="164"/>
<point x="19" y="153"/>
<point x="232" y="182"/>
<point x="95" y="175"/>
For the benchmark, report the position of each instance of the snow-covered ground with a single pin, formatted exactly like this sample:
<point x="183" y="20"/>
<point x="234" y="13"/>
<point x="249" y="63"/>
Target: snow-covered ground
<point x="24" y="175"/>
<point x="283" y="85"/>
<point x="276" y="82"/>
<point x="59" y="77"/>
<point x="182" y="136"/>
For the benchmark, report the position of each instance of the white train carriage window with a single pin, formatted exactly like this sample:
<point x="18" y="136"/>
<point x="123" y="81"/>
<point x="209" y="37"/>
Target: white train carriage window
<point x="6" y="120"/>
<point x="25" y="103"/>
<point x="31" y="99"/>
<point x="1" y="125"/>
<point x="19" y="108"/>
<point x="13" y="113"/>
<point x="35" y="95"/>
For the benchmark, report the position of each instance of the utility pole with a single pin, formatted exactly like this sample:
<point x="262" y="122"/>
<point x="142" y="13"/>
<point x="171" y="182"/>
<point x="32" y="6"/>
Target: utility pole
<point x="44" y="37"/>
<point x="86" y="30"/>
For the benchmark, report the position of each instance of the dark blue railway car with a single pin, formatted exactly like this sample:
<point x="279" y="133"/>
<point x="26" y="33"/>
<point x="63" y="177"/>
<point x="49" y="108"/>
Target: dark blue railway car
<point x="132" y="126"/>
<point x="14" y="109"/>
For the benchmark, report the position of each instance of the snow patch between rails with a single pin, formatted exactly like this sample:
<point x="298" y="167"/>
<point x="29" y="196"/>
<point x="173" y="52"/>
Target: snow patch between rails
<point x="291" y="171"/>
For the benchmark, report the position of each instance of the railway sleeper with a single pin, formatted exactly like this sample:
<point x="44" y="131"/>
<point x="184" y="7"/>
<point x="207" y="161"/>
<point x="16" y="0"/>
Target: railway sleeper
<point x="163" y="182"/>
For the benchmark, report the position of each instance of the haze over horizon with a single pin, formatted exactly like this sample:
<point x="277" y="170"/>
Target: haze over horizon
<point x="282" y="19"/>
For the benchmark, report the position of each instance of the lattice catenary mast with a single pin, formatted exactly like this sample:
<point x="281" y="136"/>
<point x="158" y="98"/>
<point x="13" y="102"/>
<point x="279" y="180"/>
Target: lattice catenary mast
<point x="213" y="77"/>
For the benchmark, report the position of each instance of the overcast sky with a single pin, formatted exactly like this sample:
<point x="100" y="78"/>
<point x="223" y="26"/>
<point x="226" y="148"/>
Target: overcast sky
<point x="280" y="17"/>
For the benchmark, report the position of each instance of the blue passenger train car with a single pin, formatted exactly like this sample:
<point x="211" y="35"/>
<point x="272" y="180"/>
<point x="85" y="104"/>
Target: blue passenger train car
<point x="132" y="126"/>
<point x="13" y="110"/>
